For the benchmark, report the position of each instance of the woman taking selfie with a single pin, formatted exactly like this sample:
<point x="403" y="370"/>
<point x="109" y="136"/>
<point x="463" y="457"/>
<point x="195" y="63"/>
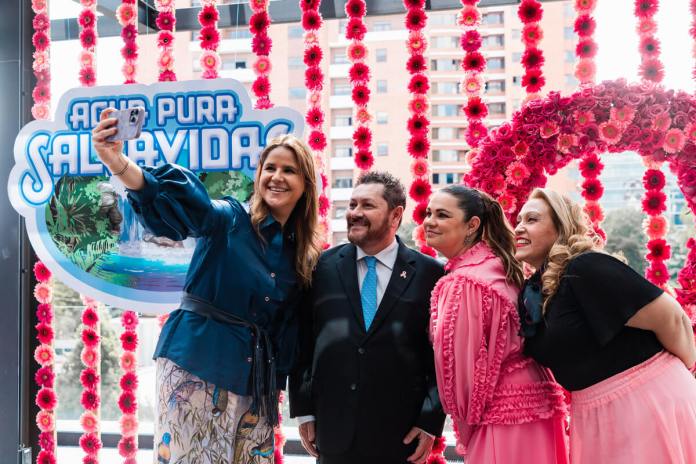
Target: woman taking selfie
<point x="223" y="355"/>
<point x="621" y="345"/>
<point x="505" y="408"/>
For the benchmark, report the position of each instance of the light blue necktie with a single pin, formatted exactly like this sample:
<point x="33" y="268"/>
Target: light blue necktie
<point x="368" y="294"/>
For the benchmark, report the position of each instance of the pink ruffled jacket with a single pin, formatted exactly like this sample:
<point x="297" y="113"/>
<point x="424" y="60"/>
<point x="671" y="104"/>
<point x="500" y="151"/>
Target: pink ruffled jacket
<point x="482" y="376"/>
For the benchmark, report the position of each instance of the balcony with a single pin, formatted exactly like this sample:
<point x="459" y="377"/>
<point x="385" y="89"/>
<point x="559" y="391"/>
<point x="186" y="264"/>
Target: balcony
<point x="341" y="194"/>
<point x="340" y="102"/>
<point x="340" y="132"/>
<point x="242" y="75"/>
<point x="339" y="71"/>
<point x="230" y="46"/>
<point x="342" y="163"/>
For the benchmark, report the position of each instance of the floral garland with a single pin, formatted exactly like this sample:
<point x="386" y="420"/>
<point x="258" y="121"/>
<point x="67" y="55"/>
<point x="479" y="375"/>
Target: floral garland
<point x="530" y="13"/>
<point x="127" y="16"/>
<point x="166" y="22"/>
<point x="88" y="40"/>
<point x="44" y="355"/>
<point x="261" y="45"/>
<point x="651" y="68"/>
<point x="611" y="116"/>
<point x="41" y="60"/>
<point x="418" y="124"/>
<point x="692" y="31"/>
<point x="359" y="75"/>
<point x="90" y="442"/>
<point x="128" y="444"/>
<point x="314" y="82"/>
<point x="473" y="64"/>
<point x="209" y="38"/>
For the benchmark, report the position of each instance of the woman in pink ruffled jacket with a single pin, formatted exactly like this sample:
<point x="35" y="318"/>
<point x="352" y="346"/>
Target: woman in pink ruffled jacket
<point x="504" y="406"/>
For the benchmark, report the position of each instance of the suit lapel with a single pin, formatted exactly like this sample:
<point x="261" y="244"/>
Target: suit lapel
<point x="401" y="277"/>
<point x="348" y="275"/>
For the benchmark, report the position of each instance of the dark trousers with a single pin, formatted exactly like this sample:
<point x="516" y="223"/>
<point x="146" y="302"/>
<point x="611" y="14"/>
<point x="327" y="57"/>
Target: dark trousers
<point x="357" y="459"/>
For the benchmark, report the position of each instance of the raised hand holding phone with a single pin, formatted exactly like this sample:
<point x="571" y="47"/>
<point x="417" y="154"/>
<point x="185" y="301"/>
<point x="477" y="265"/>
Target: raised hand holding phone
<point x="111" y="152"/>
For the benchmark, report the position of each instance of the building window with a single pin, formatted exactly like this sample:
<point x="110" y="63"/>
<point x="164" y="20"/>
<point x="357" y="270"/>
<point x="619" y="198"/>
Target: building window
<point x="569" y="10"/>
<point x="340" y="212"/>
<point x="233" y="64"/>
<point x="496" y="63"/>
<point x="497" y="86"/>
<point x="234" y="34"/>
<point x="446" y="110"/>
<point x="445" y="155"/>
<point x="492" y="18"/>
<point x="443" y="19"/>
<point x="338" y="56"/>
<point x="445" y="42"/>
<point x="493" y="41"/>
<point x="568" y="33"/>
<point x="297" y="93"/>
<point x="516" y="34"/>
<point x="444" y="65"/>
<point x="446" y="88"/>
<point x="382" y="117"/>
<point x="381" y="26"/>
<point x="343" y="151"/>
<point x="295" y="62"/>
<point x="449" y="177"/>
<point x="517" y="80"/>
<point x="516" y="57"/>
<point x="571" y="80"/>
<point x="342" y="182"/>
<point x="496" y="108"/>
<point x="341" y="88"/>
<point x="342" y="120"/>
<point x="295" y="32"/>
<point x="382" y="149"/>
<point x="436" y="178"/>
<point x="381" y="55"/>
<point x="381" y="86"/>
<point x="569" y="56"/>
<point x="444" y="133"/>
<point x="342" y="27"/>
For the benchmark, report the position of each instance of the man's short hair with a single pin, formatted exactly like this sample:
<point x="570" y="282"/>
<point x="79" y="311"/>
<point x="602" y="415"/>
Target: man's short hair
<point x="393" y="188"/>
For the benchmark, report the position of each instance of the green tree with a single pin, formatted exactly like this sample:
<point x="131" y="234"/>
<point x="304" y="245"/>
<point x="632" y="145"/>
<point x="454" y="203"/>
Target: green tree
<point x="624" y="228"/>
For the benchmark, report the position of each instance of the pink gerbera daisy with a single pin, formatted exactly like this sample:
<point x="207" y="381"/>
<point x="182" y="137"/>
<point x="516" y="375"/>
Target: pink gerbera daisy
<point x="517" y="173"/>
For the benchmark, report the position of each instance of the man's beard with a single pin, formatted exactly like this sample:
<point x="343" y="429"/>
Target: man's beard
<point x="373" y="234"/>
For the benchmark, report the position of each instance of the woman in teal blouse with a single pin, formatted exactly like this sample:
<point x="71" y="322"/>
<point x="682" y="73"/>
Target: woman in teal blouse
<point x="223" y="355"/>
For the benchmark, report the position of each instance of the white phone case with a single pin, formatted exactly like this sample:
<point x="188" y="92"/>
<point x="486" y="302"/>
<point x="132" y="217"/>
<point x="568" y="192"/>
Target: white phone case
<point x="130" y="124"/>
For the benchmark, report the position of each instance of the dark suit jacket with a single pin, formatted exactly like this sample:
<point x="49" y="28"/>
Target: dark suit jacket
<point x="367" y="389"/>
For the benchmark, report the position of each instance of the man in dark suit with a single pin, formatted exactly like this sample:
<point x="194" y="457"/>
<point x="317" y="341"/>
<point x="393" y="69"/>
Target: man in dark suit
<point x="364" y="390"/>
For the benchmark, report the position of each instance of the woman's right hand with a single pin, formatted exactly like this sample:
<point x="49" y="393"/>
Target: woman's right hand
<point x="110" y="153"/>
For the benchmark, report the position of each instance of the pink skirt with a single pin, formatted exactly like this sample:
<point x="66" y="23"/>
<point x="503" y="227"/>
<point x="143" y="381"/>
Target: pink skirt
<point x="644" y="415"/>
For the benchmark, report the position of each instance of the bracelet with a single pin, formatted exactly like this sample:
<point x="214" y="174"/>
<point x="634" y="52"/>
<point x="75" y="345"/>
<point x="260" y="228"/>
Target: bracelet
<point x="125" y="168"/>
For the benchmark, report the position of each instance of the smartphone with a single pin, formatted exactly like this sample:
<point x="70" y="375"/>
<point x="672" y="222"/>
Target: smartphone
<point x="129" y="125"/>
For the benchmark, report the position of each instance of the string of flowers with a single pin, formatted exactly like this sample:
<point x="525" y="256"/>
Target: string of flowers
<point x="41" y="65"/>
<point x="90" y="442"/>
<point x="261" y="45"/>
<point x="586" y="48"/>
<point x="359" y="76"/>
<point x="314" y="82"/>
<point x="166" y="22"/>
<point x="128" y="444"/>
<point x="651" y="68"/>
<point x="418" y="124"/>
<point x="473" y="64"/>
<point x="530" y="13"/>
<point x="692" y="31"/>
<point x="209" y="38"/>
<point x="44" y="355"/>
<point x="88" y="39"/>
<point x="127" y="16"/>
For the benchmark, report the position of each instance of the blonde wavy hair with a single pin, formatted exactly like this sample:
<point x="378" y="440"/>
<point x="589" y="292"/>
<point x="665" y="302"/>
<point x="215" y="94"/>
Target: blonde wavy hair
<point x="575" y="236"/>
<point x="306" y="212"/>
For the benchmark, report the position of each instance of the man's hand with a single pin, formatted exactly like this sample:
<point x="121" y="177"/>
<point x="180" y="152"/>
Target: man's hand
<point x="425" y="445"/>
<point x="308" y="436"/>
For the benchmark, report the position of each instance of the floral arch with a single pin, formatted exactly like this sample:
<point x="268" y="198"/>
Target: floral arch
<point x="612" y="116"/>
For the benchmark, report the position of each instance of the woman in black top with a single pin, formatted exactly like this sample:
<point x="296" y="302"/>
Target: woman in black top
<point x="621" y="345"/>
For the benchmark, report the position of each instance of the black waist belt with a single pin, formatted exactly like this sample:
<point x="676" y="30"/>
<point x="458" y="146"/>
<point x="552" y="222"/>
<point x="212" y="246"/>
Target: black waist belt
<point x="263" y="370"/>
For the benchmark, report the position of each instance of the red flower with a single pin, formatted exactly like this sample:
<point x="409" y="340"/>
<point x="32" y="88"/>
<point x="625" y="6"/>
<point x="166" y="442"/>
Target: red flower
<point x="359" y="73"/>
<point x="44" y="313"/>
<point x="259" y="22"/>
<point x="208" y="15"/>
<point x="89" y="400"/>
<point x="90" y="338"/>
<point x="129" y="341"/>
<point x="471" y="41"/>
<point x="261" y="44"/>
<point x="314" y="78"/>
<point x="89" y="460"/>
<point x="44" y="377"/>
<point x="90" y="443"/>
<point x="165" y="21"/>
<point x="532" y="34"/>
<point x="590" y="166"/>
<point x="594" y="211"/>
<point x="532" y="58"/>
<point x="129" y="320"/>
<point x="127" y="447"/>
<point x="129" y="381"/>
<point x="90" y="317"/>
<point x="430" y="251"/>
<point x="416" y="64"/>
<point x="46" y="399"/>
<point x="657" y="273"/>
<point x="645" y="8"/>
<point x="592" y="189"/>
<point x="261" y="86"/>
<point x="417" y="124"/>
<point x="364" y="159"/>
<point x="419" y="213"/>
<point x="89" y="378"/>
<point x="475" y="108"/>
<point x="420" y="190"/>
<point x="40" y="22"/>
<point x="418" y="146"/>
<point x="585" y="25"/>
<point x="46" y="441"/>
<point x="129" y="51"/>
<point x="419" y="167"/>
<point x="361" y="95"/>
<point x="419" y="84"/>
<point x="45" y="456"/>
<point x="314" y="116"/>
<point x="127" y="403"/>
<point x="362" y="137"/>
<point x="650" y="46"/>
<point x="44" y="333"/>
<point x="313" y="55"/>
<point x="324" y="205"/>
<point x="475" y="132"/>
<point x="40" y="41"/>
<point x="411" y="4"/>
<point x="533" y="80"/>
<point x="88" y="39"/>
<point x="653" y="179"/>
<point x="317" y="140"/>
<point x="473" y="61"/>
<point x="586" y="48"/>
<point x="654" y="202"/>
<point x="165" y="39"/>
<point x="209" y="37"/>
<point x="86" y="19"/>
<point x="652" y="70"/>
<point x="311" y="20"/>
<point x="355" y="29"/>
<point x="306" y="5"/>
<point x="355" y="8"/>
<point x="415" y="20"/>
<point x="658" y="250"/>
<point x="530" y="11"/>
<point x="129" y="33"/>
<point x="41" y="93"/>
